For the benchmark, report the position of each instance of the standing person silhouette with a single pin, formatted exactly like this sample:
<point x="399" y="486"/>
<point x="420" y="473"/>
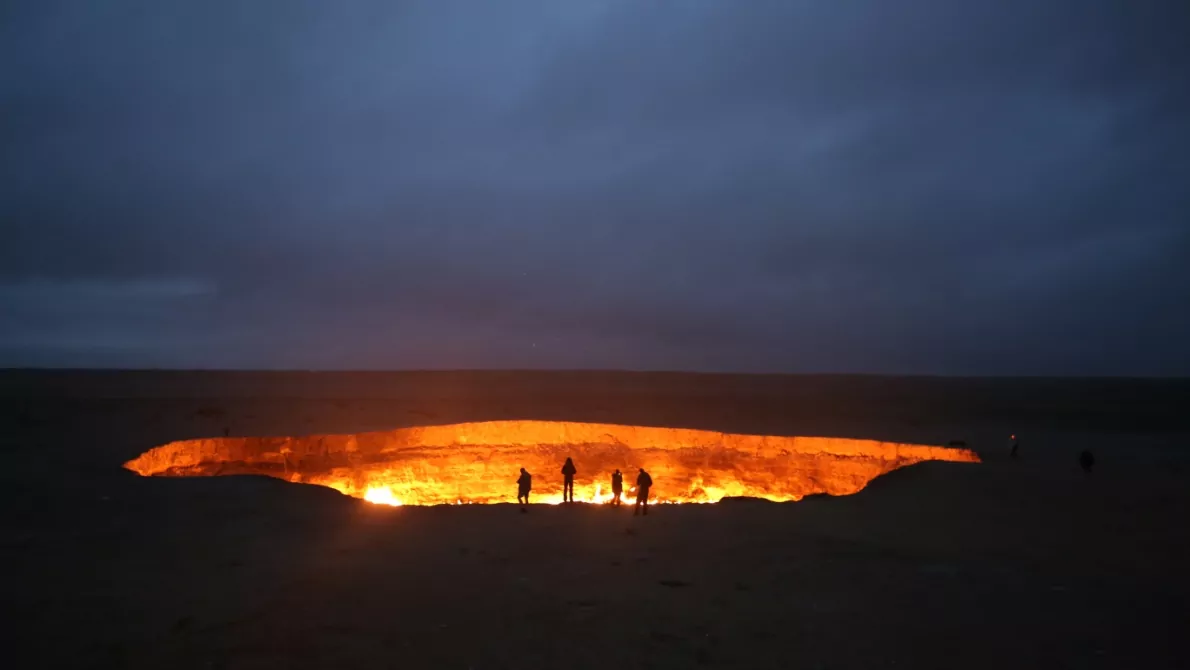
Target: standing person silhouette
<point x="617" y="486"/>
<point x="524" y="485"/>
<point x="568" y="471"/>
<point x="643" y="482"/>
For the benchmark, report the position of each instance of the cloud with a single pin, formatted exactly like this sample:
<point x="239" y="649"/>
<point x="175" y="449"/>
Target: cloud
<point x="923" y="186"/>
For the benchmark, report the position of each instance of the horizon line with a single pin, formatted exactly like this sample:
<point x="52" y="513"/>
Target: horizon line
<point x="623" y="371"/>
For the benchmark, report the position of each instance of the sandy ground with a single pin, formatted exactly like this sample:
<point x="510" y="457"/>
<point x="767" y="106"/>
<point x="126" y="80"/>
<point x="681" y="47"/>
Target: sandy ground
<point x="1025" y="563"/>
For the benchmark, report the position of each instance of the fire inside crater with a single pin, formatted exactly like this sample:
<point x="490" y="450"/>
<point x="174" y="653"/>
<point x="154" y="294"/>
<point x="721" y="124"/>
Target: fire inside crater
<point x="480" y="462"/>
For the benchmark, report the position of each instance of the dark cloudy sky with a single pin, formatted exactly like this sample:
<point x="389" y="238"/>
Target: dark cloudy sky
<point x="923" y="186"/>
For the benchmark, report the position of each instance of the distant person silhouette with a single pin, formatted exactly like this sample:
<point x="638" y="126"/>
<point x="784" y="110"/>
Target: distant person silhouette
<point x="1086" y="460"/>
<point x="287" y="456"/>
<point x="1016" y="445"/>
<point x="643" y="482"/>
<point x="524" y="485"/>
<point x="617" y="486"/>
<point x="568" y="471"/>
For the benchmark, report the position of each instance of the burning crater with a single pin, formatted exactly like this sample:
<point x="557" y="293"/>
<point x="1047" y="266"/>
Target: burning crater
<point x="480" y="462"/>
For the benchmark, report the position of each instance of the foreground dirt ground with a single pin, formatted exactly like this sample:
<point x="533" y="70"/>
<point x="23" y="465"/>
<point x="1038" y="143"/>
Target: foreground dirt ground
<point x="1026" y="563"/>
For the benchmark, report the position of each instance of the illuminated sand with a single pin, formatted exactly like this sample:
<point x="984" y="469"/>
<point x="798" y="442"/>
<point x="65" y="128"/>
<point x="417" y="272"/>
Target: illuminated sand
<point x="479" y="462"/>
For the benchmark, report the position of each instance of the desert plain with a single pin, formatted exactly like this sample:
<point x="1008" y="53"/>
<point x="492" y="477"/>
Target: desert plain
<point x="1027" y="562"/>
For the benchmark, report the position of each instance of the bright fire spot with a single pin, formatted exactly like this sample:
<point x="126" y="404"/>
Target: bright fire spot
<point x="381" y="495"/>
<point x="478" y="463"/>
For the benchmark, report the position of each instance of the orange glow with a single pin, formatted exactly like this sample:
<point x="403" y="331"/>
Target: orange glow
<point x="479" y="462"/>
<point x="381" y="495"/>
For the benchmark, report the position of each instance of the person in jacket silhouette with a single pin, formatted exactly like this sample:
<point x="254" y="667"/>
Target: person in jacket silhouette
<point x="568" y="471"/>
<point x="643" y="483"/>
<point x="617" y="487"/>
<point x="524" y="485"/>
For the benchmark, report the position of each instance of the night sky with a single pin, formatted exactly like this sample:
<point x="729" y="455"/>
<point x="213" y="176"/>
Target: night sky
<point x="909" y="186"/>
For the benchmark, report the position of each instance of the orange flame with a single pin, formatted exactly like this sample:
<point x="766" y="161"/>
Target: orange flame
<point x="381" y="495"/>
<point x="479" y="462"/>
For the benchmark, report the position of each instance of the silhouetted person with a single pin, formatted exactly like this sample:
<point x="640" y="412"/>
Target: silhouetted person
<point x="568" y="480"/>
<point x="287" y="456"/>
<point x="524" y="485"/>
<point x="1086" y="460"/>
<point x="643" y="482"/>
<point x="617" y="487"/>
<point x="1016" y="445"/>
